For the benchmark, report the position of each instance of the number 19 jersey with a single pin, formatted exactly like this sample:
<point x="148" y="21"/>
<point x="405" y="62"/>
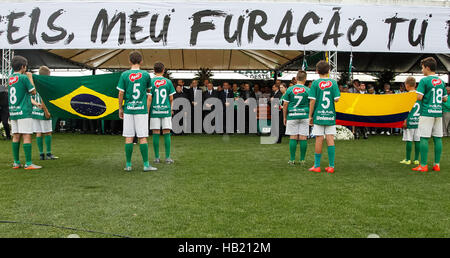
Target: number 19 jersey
<point x="162" y="88"/>
<point x="134" y="84"/>
<point x="325" y="92"/>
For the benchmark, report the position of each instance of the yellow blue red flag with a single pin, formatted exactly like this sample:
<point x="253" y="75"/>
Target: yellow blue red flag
<point x="368" y="110"/>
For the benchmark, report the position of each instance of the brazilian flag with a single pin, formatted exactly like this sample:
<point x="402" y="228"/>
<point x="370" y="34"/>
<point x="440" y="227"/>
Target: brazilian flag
<point x="82" y="97"/>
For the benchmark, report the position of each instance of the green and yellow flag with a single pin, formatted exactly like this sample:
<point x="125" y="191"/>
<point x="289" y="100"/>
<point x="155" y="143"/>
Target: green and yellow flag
<point x="83" y="97"/>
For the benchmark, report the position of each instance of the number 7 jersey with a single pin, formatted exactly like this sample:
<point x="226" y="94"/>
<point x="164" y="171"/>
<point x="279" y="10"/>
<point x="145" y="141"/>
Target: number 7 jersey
<point x="134" y="84"/>
<point x="162" y="89"/>
<point x="325" y="92"/>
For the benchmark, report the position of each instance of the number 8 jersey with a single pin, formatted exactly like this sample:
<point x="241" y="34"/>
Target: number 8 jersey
<point x="134" y="84"/>
<point x="161" y="90"/>
<point x="325" y="92"/>
<point x="19" y="89"/>
<point x="433" y="90"/>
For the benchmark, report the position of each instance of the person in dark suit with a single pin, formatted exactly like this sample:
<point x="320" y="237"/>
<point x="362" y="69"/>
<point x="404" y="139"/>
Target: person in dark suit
<point x="277" y="94"/>
<point x="179" y="93"/>
<point x="191" y="93"/>
<point x="4" y="110"/>
<point x="209" y="93"/>
<point x="247" y="94"/>
<point x="227" y="93"/>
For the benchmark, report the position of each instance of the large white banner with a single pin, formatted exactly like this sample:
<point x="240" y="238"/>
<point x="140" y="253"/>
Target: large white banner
<point x="224" y="25"/>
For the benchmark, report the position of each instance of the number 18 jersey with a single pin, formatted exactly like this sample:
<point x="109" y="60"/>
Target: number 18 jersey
<point x="433" y="90"/>
<point x="162" y="88"/>
<point x="324" y="91"/>
<point x="134" y="84"/>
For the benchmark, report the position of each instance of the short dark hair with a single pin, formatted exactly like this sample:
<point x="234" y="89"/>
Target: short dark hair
<point x="356" y="80"/>
<point x="429" y="62"/>
<point x="135" y="57"/>
<point x="158" y="67"/>
<point x="301" y="76"/>
<point x="323" y="67"/>
<point x="18" y="62"/>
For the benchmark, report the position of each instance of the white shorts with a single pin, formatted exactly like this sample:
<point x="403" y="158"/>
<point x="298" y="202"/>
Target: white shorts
<point x="42" y="126"/>
<point x="135" y="125"/>
<point x="320" y="130"/>
<point x="157" y="123"/>
<point x="297" y="127"/>
<point x="22" y="126"/>
<point x="410" y="135"/>
<point x="430" y="126"/>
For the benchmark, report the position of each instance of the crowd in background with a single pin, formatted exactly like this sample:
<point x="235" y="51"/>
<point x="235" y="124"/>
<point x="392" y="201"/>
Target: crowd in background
<point x="263" y="91"/>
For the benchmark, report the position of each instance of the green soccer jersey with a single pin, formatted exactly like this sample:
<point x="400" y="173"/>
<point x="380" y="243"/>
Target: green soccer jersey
<point x="325" y="92"/>
<point x="297" y="97"/>
<point x="446" y="106"/>
<point x="20" y="106"/>
<point x="162" y="88"/>
<point x="412" y="122"/>
<point x="134" y="84"/>
<point x="433" y="90"/>
<point x="38" y="113"/>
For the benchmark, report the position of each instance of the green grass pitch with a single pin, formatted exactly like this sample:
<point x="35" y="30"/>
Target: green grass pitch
<point x="228" y="186"/>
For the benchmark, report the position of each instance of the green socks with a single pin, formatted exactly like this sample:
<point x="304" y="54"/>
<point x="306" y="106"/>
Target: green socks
<point x="144" y="153"/>
<point x="128" y="153"/>
<point x="167" y="144"/>
<point x="423" y="151"/>
<point x="40" y="145"/>
<point x="27" y="150"/>
<point x="303" y="147"/>
<point x="15" y="150"/>
<point x="317" y="160"/>
<point x="416" y="150"/>
<point x="48" y="143"/>
<point x="408" y="150"/>
<point x="292" y="148"/>
<point x="437" y="149"/>
<point x="331" y="154"/>
<point x="156" y="145"/>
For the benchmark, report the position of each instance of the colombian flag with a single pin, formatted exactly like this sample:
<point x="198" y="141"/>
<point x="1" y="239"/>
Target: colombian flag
<point x="368" y="110"/>
<point x="86" y="97"/>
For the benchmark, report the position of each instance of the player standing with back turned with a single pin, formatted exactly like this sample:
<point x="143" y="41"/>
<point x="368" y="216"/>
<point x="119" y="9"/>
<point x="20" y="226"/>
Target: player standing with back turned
<point x="295" y="115"/>
<point x="322" y="114"/>
<point x="431" y="91"/>
<point x="133" y="87"/>
<point x="161" y="99"/>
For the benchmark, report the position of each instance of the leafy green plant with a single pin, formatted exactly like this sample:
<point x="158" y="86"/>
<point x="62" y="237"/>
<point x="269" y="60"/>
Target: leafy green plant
<point x="203" y="74"/>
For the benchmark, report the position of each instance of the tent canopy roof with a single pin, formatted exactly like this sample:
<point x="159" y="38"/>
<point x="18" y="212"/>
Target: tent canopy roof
<point x="117" y="59"/>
